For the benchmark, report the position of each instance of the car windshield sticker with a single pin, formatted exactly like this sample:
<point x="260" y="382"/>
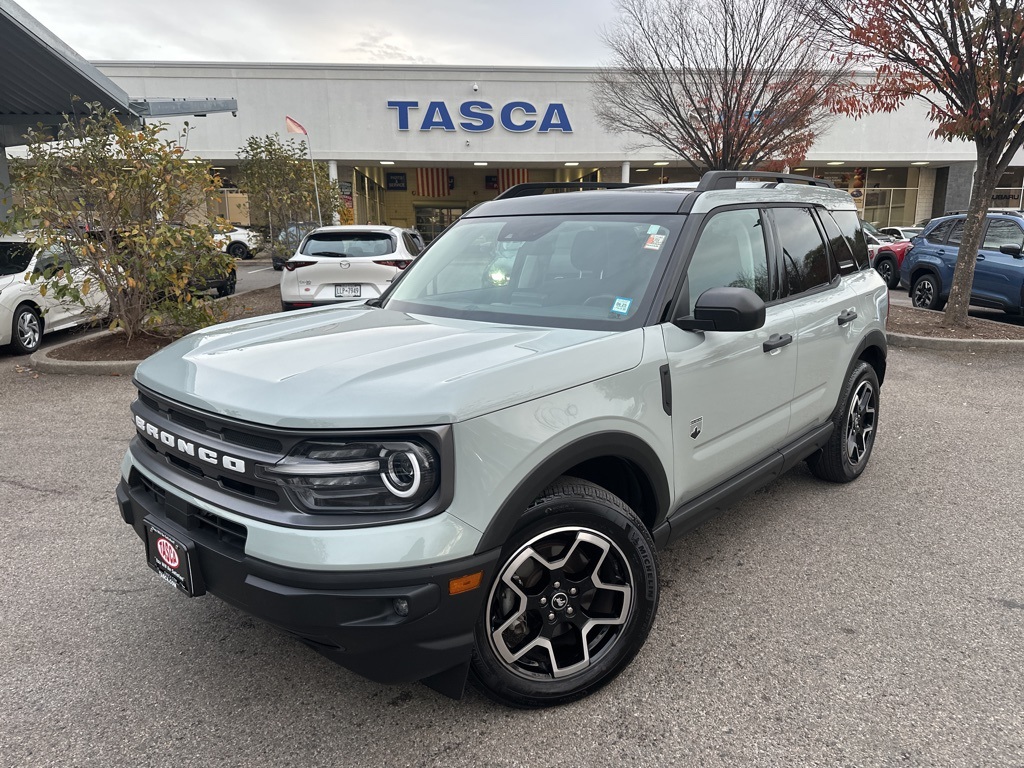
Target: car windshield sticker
<point x="621" y="305"/>
<point x="653" y="229"/>
<point x="654" y="242"/>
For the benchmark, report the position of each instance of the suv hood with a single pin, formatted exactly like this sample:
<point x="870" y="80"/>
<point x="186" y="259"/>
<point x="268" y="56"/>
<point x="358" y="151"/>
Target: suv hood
<point x="343" y="368"/>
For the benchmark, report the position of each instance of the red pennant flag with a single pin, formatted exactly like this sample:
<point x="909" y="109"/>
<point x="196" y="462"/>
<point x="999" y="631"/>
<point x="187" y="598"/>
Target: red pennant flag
<point x="294" y="126"/>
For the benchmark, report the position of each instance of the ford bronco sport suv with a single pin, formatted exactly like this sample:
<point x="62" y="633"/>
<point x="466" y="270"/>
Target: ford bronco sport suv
<point x="469" y="477"/>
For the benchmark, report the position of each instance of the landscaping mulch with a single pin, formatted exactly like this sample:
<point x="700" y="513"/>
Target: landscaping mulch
<point x="924" y="322"/>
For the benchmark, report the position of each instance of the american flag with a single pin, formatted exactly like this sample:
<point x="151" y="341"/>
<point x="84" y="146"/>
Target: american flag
<point x="432" y="182"/>
<point x="509" y="177"/>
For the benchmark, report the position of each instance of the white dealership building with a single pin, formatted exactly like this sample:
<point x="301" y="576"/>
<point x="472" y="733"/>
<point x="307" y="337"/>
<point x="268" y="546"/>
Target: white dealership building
<point x="417" y="145"/>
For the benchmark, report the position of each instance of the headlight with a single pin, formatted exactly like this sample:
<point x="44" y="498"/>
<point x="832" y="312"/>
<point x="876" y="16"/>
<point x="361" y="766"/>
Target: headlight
<point x="329" y="477"/>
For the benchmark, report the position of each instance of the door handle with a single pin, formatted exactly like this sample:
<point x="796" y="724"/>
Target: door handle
<point x="777" y="341"/>
<point x="847" y="316"/>
<point x="981" y="257"/>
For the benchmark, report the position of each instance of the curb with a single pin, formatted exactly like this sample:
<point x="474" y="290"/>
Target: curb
<point x="904" y="341"/>
<point x="42" y="362"/>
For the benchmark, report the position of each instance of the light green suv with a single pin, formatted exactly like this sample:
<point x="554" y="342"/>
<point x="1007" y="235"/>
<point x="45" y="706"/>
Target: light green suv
<point x="470" y="476"/>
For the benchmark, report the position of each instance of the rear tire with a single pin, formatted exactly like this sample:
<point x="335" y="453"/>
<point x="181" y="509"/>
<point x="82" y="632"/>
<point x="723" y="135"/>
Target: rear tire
<point x="855" y="423"/>
<point x="572" y="601"/>
<point x="925" y="292"/>
<point x="239" y="250"/>
<point x="886" y="267"/>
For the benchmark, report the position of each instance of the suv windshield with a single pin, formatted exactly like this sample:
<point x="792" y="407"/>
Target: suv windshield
<point x="349" y="244"/>
<point x="15" y="257"/>
<point x="589" y="272"/>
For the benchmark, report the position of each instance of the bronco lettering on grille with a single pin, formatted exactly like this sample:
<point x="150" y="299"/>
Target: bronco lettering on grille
<point x="187" y="447"/>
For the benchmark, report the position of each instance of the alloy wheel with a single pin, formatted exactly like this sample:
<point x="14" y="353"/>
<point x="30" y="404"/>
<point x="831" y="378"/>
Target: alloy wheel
<point x="560" y="603"/>
<point x="860" y="423"/>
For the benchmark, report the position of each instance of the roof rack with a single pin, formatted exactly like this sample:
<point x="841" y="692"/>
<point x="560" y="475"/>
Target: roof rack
<point x="727" y="179"/>
<point x="1019" y="213"/>
<point x="540" y="187"/>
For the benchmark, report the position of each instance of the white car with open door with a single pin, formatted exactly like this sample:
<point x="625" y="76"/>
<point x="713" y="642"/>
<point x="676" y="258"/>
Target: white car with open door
<point x="346" y="263"/>
<point x="26" y="312"/>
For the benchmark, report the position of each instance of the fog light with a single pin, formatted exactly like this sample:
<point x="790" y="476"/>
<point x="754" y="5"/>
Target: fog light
<point x="401" y="606"/>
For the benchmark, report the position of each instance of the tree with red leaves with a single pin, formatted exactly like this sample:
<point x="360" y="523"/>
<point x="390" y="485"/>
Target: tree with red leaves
<point x="723" y="84"/>
<point x="965" y="59"/>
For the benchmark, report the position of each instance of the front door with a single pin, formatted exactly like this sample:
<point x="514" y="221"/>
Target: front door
<point x="998" y="277"/>
<point x="730" y="394"/>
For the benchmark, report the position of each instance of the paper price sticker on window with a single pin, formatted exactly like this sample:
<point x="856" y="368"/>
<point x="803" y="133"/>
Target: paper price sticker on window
<point x="654" y="242"/>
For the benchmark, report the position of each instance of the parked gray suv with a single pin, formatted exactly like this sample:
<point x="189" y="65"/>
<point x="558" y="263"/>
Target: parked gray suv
<point x="469" y="477"/>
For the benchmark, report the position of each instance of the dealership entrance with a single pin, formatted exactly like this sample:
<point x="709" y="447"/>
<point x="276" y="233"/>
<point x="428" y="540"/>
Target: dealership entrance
<point x="432" y="221"/>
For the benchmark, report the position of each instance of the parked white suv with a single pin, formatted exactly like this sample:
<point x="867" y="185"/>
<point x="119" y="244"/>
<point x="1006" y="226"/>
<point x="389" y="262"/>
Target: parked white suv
<point x="346" y="263"/>
<point x="25" y="313"/>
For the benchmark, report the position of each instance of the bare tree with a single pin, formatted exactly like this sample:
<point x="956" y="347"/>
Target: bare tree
<point x="723" y="84"/>
<point x="965" y="59"/>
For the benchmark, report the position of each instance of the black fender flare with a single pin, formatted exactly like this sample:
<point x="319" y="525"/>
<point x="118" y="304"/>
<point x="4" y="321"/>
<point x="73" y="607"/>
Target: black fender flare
<point x="514" y="510"/>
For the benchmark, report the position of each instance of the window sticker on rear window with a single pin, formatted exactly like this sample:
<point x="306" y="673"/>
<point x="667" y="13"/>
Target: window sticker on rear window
<point x="621" y="305"/>
<point x="654" y="242"/>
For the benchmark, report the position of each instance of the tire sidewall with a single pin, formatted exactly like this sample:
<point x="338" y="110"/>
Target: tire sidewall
<point x="16" y="343"/>
<point x="935" y="292"/>
<point x="862" y="372"/>
<point x="629" y="534"/>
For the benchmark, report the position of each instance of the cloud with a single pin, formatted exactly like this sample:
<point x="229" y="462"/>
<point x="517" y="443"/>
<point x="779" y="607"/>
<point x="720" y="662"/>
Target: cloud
<point x="446" y="32"/>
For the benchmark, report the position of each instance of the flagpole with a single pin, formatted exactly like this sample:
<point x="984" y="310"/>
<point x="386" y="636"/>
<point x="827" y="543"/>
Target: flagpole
<point x="294" y="126"/>
<point x="316" y="188"/>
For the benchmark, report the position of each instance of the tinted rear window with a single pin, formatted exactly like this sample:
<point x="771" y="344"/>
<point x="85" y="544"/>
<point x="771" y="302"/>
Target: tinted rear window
<point x="15" y="257"/>
<point x="941" y="231"/>
<point x="351" y="244"/>
<point x="854" y="245"/>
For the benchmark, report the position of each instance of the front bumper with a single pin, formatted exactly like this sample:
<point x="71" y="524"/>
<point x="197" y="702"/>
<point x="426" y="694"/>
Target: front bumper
<point x="350" y="617"/>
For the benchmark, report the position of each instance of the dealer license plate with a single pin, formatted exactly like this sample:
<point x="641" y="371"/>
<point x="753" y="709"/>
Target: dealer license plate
<point x="348" y="291"/>
<point x="169" y="556"/>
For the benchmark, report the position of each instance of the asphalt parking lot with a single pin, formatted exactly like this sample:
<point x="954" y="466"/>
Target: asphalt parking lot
<point x="875" y="624"/>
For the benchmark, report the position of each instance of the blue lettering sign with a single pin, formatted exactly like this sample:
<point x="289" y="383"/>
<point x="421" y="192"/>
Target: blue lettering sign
<point x="437" y="116"/>
<point x="555" y="119"/>
<point x="523" y="106"/>
<point x="477" y="119"/>
<point x="516" y="116"/>
<point x="403" y="108"/>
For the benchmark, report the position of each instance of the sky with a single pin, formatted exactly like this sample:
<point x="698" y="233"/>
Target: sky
<point x="448" y="32"/>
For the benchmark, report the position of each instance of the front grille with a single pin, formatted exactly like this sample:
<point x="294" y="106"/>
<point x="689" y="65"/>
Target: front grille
<point x="208" y="425"/>
<point x="191" y="517"/>
<point x="208" y="472"/>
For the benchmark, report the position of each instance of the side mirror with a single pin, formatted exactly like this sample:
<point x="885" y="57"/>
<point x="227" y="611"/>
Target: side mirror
<point x="725" y="309"/>
<point x="1011" y="249"/>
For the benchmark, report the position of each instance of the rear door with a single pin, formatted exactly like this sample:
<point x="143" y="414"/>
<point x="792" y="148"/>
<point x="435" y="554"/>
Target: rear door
<point x="730" y="392"/>
<point x="825" y="311"/>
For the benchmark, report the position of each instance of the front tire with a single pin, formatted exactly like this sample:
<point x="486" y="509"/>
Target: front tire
<point x="855" y="422"/>
<point x="26" y="330"/>
<point x="572" y="601"/>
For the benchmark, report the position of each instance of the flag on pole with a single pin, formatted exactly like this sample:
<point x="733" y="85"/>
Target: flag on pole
<point x="294" y="126"/>
<point x="509" y="177"/>
<point x="432" y="182"/>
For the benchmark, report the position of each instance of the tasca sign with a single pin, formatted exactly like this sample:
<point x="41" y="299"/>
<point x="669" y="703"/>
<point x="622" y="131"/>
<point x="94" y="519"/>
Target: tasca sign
<point x="479" y="116"/>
